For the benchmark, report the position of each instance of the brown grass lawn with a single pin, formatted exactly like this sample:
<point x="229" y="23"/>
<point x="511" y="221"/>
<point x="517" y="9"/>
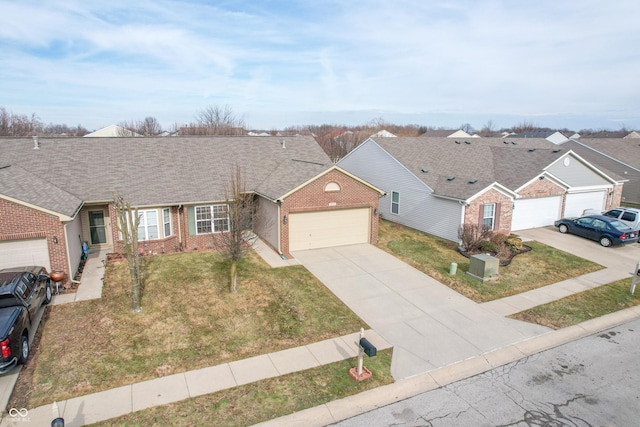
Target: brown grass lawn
<point x="541" y="266"/>
<point x="189" y="320"/>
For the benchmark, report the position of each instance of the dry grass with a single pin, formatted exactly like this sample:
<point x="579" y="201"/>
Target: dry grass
<point x="189" y="320"/>
<point x="539" y="267"/>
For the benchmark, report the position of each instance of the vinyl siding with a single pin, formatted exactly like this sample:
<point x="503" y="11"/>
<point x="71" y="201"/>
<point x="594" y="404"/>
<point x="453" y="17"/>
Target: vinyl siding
<point x="74" y="243"/>
<point x="266" y="221"/>
<point x="418" y="208"/>
<point x="577" y="174"/>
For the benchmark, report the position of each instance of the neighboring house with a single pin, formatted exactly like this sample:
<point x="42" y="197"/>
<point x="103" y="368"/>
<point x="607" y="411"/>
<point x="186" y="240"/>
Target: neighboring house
<point x="438" y="184"/>
<point x="446" y="133"/>
<point x="551" y="136"/>
<point x="111" y="131"/>
<point x="56" y="193"/>
<point x="633" y="134"/>
<point x="615" y="156"/>
<point x="383" y="134"/>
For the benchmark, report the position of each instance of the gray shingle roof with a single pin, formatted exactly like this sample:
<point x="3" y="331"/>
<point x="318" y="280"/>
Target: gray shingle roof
<point x="486" y="160"/>
<point x="161" y="171"/>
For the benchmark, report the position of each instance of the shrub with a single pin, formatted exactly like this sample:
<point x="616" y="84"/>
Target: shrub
<point x="515" y="243"/>
<point x="500" y="238"/>
<point x="472" y="236"/>
<point x="488" y="246"/>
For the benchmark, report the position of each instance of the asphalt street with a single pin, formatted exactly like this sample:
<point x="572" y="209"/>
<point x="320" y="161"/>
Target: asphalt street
<point x="594" y="381"/>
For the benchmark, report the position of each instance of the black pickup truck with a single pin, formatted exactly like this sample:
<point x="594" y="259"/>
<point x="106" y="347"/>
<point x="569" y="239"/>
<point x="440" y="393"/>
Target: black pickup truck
<point x="23" y="290"/>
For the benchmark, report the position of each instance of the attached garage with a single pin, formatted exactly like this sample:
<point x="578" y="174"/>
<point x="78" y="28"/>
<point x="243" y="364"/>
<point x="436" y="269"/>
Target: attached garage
<point x="15" y="253"/>
<point x="578" y="202"/>
<point x="535" y="212"/>
<point x="312" y="230"/>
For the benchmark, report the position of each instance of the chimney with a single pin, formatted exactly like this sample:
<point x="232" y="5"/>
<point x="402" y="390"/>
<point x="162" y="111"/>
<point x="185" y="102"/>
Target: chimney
<point x="283" y="143"/>
<point x="36" y="143"/>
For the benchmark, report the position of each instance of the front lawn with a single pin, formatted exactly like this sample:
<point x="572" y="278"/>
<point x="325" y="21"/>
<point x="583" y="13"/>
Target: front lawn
<point x="541" y="266"/>
<point x="189" y="320"/>
<point x="583" y="306"/>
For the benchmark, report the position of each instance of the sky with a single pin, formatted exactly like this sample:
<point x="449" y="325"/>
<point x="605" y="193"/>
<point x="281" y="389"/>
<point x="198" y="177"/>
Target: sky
<point x="553" y="63"/>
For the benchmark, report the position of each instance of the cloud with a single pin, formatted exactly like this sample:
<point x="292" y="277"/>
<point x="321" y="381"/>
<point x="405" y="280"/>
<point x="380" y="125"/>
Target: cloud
<point x="408" y="57"/>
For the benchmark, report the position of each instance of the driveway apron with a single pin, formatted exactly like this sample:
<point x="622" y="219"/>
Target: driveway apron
<point x="428" y="324"/>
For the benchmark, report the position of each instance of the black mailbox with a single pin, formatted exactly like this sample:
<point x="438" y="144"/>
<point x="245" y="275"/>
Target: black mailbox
<point x="368" y="348"/>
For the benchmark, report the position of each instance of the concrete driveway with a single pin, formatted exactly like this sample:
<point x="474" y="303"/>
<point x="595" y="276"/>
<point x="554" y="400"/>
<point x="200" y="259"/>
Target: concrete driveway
<point x="429" y="325"/>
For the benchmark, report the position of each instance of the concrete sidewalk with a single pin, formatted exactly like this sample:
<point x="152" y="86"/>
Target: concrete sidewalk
<point x="112" y="403"/>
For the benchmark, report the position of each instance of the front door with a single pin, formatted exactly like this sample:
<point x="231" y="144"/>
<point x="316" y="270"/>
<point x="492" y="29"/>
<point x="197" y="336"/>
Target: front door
<point x="96" y="228"/>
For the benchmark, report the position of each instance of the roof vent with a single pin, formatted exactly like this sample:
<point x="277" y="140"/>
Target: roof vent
<point x="423" y="170"/>
<point x="467" y="142"/>
<point x="451" y="178"/>
<point x="556" y="150"/>
<point x="513" y="142"/>
<point x="531" y="150"/>
<point x="473" y="181"/>
<point x="284" y="143"/>
<point x="505" y="142"/>
<point x="457" y="142"/>
<point x="36" y="143"/>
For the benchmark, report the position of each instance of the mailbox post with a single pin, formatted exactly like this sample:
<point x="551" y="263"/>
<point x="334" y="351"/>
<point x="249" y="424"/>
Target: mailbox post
<point x="634" y="279"/>
<point x="364" y="347"/>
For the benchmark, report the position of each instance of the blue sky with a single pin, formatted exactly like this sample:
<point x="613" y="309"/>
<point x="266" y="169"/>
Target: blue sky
<point x="569" y="63"/>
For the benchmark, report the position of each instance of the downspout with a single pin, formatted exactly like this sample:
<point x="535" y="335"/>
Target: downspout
<point x="180" y="228"/>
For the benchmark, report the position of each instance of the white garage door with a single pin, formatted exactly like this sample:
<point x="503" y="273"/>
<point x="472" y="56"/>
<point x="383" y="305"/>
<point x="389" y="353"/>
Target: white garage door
<point x="312" y="230"/>
<point x="16" y="253"/>
<point x="537" y="212"/>
<point x="577" y="202"/>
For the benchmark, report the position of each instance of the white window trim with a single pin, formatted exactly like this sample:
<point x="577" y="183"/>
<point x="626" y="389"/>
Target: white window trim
<point x="492" y="217"/>
<point x="165" y="222"/>
<point x="144" y="224"/>
<point x="213" y="218"/>
<point x="397" y="204"/>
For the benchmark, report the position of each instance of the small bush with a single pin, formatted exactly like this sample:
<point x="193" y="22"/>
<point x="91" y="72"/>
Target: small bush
<point x="488" y="246"/>
<point x="500" y="238"/>
<point x="515" y="243"/>
<point x="472" y="236"/>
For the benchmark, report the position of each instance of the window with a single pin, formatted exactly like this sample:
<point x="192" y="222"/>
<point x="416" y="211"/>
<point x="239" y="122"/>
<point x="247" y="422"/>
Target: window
<point x="332" y="186"/>
<point x="488" y="215"/>
<point x="395" y="202"/>
<point x="629" y="216"/>
<point x="148" y="227"/>
<point x="212" y="219"/>
<point x="166" y="221"/>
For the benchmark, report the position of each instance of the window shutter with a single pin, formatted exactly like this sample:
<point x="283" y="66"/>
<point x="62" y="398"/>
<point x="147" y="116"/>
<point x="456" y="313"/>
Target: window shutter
<point x="481" y="216"/>
<point x="191" y="216"/>
<point x="496" y="217"/>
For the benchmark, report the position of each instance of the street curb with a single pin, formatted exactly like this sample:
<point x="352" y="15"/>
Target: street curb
<point x="348" y="407"/>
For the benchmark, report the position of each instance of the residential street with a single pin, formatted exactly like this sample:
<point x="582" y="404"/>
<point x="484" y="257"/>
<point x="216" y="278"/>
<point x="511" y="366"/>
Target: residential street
<point x="594" y="381"/>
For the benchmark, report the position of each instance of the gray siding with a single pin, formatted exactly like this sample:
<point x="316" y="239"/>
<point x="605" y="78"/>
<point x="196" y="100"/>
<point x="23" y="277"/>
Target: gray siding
<point x="418" y="208"/>
<point x="265" y="223"/>
<point x="577" y="174"/>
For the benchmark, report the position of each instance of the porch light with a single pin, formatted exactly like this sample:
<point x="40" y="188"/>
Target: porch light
<point x="284" y="219"/>
<point x="55" y="239"/>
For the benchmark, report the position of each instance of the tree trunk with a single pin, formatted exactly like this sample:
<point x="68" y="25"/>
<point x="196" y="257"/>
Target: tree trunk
<point x="234" y="276"/>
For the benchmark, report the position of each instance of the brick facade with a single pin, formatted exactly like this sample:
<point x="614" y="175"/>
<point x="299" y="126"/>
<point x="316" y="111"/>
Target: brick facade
<point x="19" y="222"/>
<point x="313" y="197"/>
<point x="502" y="214"/>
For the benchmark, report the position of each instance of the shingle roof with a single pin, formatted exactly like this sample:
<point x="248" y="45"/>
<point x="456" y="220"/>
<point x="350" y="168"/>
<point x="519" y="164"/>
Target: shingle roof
<point x="159" y="171"/>
<point x="485" y="160"/>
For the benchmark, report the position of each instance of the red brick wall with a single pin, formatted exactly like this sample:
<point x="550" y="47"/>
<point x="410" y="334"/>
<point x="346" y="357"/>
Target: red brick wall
<point x="541" y="188"/>
<point x="503" y="212"/>
<point x="20" y="222"/>
<point x="313" y="197"/>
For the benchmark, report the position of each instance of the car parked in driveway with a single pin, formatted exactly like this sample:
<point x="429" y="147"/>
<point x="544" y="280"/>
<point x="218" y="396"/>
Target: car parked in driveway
<point x="23" y="290"/>
<point x="629" y="216"/>
<point x="604" y="229"/>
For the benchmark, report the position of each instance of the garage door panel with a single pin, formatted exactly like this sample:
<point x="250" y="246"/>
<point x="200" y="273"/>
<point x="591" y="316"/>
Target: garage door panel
<point x="312" y="230"/>
<point x="578" y="202"/>
<point x="535" y="212"/>
<point x="15" y="253"/>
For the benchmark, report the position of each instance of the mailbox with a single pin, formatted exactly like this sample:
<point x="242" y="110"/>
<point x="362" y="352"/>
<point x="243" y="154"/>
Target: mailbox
<point x="368" y="348"/>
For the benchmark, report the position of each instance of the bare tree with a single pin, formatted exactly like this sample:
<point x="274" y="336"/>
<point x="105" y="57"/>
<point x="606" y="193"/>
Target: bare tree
<point x="488" y="129"/>
<point x="241" y="214"/>
<point x="128" y="222"/>
<point x="216" y="120"/>
<point x="467" y="128"/>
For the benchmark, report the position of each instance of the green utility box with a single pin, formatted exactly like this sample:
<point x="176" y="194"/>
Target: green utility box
<point x="483" y="267"/>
